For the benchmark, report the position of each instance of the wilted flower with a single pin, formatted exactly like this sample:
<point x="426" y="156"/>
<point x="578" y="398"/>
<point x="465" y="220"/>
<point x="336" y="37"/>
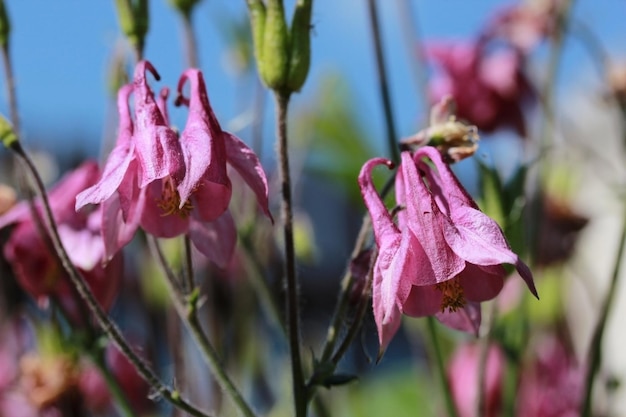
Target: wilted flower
<point x="443" y="258"/>
<point x="47" y="380"/>
<point x="489" y="87"/>
<point x="33" y="260"/>
<point x="454" y="139"/>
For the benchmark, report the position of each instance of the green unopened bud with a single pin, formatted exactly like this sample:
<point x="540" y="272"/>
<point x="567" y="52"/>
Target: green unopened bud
<point x="300" y="45"/>
<point x="5" y="26"/>
<point x="275" y="46"/>
<point x="256" y="8"/>
<point x="134" y="22"/>
<point x="8" y="137"/>
<point x="184" y="6"/>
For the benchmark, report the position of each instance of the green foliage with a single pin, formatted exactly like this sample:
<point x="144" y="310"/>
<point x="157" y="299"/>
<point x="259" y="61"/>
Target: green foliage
<point x="5" y="26"/>
<point x="333" y="138"/>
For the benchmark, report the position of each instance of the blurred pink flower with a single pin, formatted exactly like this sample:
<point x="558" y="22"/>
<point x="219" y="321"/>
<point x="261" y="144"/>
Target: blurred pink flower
<point x="552" y="385"/>
<point x="489" y="87"/>
<point x="526" y="24"/>
<point x="463" y="377"/>
<point x="36" y="266"/>
<point x="443" y="258"/>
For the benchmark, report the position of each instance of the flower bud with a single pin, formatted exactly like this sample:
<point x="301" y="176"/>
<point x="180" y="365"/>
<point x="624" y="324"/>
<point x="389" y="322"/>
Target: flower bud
<point x="256" y="8"/>
<point x="300" y="45"/>
<point x="7" y="134"/>
<point x="5" y="26"/>
<point x="275" y="46"/>
<point x="133" y="17"/>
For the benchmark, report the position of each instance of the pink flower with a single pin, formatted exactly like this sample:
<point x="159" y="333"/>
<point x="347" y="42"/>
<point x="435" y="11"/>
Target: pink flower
<point x="443" y="258"/>
<point x="463" y="377"/>
<point x="488" y="87"/>
<point x="170" y="186"/>
<point x="552" y="385"/>
<point x="36" y="267"/>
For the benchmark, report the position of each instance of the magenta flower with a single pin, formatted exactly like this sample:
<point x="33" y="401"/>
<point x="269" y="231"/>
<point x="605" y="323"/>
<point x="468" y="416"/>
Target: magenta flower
<point x="443" y="258"/>
<point x="35" y="265"/>
<point x="552" y="385"/>
<point x="489" y="88"/>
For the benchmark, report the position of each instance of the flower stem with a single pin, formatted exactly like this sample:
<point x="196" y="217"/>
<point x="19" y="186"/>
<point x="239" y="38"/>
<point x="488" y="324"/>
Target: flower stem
<point x="107" y="326"/>
<point x="121" y="401"/>
<point x="187" y="306"/>
<point x="441" y="370"/>
<point x="595" y="349"/>
<point x="382" y="81"/>
<point x="293" y="315"/>
<point x="10" y="86"/>
<point x="191" y="45"/>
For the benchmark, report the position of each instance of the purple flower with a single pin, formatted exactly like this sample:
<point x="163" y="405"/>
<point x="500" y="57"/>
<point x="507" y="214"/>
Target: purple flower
<point x="443" y="258"/>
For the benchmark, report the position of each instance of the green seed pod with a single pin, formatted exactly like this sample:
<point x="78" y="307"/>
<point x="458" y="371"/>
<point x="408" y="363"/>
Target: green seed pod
<point x="5" y="26"/>
<point x="300" y="45"/>
<point x="184" y="6"/>
<point x="275" y="47"/>
<point x="7" y="134"/>
<point x="256" y="8"/>
<point x="133" y="17"/>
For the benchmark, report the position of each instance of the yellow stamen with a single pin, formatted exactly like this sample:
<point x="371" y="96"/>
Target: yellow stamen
<point x="453" y="295"/>
<point x="170" y="201"/>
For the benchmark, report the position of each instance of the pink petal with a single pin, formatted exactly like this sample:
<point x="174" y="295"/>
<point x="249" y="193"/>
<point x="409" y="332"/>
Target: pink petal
<point x="466" y="319"/>
<point x="247" y="164"/>
<point x="481" y="283"/>
<point x="157" y="146"/>
<point x="423" y="301"/>
<point x="155" y="221"/>
<point x="386" y="313"/>
<point x="424" y="217"/>
<point x="202" y="145"/>
<point x="216" y="240"/>
<point x="383" y="225"/>
<point x="116" y="232"/>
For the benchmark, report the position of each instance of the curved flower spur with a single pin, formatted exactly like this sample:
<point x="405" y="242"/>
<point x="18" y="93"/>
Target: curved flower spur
<point x="443" y="258"/>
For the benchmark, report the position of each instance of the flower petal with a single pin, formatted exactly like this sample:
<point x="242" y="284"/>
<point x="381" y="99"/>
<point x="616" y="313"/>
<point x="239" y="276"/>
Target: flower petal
<point x="216" y="240"/>
<point x="466" y="320"/>
<point x="247" y="164"/>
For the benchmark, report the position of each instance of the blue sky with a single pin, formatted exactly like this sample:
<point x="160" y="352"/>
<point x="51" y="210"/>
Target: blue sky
<point x="61" y="50"/>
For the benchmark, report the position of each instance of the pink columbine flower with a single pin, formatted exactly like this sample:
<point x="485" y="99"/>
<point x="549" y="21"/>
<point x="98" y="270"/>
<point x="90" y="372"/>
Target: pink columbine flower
<point x="463" y="377"/>
<point x="35" y="265"/>
<point x="170" y="186"/>
<point x="489" y="88"/>
<point x="443" y="258"/>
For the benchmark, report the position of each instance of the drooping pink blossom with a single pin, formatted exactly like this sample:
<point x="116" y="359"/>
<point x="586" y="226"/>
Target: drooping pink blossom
<point x="443" y="258"/>
<point x="552" y="384"/>
<point x="33" y="261"/>
<point x="170" y="186"/>
<point x="489" y="87"/>
<point x="463" y="377"/>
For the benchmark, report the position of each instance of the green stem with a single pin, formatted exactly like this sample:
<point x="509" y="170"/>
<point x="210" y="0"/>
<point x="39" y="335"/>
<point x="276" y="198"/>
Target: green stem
<point x="10" y="86"/>
<point x="191" y="45"/>
<point x="186" y="306"/>
<point x="121" y="401"/>
<point x="188" y="285"/>
<point x="107" y="326"/>
<point x="291" y="282"/>
<point x="594" y="357"/>
<point x="382" y="82"/>
<point x="441" y="370"/>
